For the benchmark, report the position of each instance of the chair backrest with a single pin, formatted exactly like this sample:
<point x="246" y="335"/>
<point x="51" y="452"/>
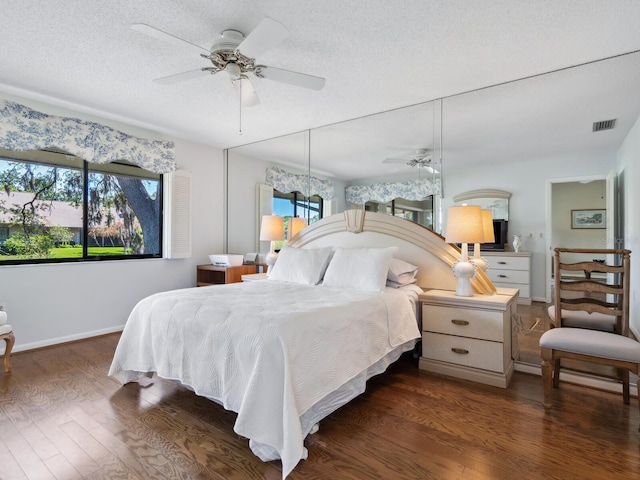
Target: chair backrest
<point x="575" y="290"/>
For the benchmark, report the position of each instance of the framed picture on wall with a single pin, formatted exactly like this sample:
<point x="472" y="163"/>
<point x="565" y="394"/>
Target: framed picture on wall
<point x="592" y="219"/>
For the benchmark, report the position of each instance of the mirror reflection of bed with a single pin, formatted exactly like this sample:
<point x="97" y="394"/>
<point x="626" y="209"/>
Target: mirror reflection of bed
<point x="285" y="352"/>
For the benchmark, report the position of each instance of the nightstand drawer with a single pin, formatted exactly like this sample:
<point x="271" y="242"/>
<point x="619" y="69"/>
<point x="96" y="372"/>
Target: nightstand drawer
<point x="469" y="352"/>
<point x="482" y="324"/>
<point x="508" y="276"/>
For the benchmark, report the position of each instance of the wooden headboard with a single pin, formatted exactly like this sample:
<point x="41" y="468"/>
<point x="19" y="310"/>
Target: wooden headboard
<point x="416" y="244"/>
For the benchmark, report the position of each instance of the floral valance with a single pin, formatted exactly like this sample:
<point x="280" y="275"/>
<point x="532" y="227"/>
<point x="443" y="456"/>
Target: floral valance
<point x="287" y="182"/>
<point x="418" y="189"/>
<point x="22" y="129"/>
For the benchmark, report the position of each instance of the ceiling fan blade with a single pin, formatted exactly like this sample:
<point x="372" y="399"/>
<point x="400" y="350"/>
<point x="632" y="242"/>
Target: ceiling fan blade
<point x="267" y="35"/>
<point x="165" y="37"/>
<point x="245" y="91"/>
<point x="181" y="77"/>
<point x="292" y="78"/>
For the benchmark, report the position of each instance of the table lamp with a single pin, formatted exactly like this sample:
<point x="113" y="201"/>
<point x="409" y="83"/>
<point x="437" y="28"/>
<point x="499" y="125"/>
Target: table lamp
<point x="489" y="237"/>
<point x="271" y="230"/>
<point x="464" y="226"/>
<point x="295" y="225"/>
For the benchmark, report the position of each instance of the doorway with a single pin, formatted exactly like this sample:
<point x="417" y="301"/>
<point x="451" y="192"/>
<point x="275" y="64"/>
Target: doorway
<point x="568" y="201"/>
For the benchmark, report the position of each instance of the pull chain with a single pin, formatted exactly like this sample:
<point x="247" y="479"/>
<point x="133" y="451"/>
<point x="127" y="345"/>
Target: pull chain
<point x="240" y="108"/>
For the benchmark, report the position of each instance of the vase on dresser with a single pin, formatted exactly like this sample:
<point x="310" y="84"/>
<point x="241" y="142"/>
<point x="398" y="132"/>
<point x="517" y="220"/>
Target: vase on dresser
<point x="517" y="243"/>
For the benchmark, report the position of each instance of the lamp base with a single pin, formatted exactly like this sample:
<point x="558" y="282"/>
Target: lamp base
<point x="464" y="271"/>
<point x="481" y="263"/>
<point x="270" y="260"/>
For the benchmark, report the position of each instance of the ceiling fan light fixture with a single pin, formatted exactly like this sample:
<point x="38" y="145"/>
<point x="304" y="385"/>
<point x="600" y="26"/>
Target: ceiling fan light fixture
<point x="234" y="71"/>
<point x="245" y="91"/>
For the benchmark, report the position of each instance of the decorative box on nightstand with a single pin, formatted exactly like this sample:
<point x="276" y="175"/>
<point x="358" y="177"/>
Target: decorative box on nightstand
<point x="468" y="337"/>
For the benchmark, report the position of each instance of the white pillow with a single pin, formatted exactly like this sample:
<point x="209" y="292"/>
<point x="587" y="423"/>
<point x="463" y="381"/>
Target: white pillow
<point x="301" y="265"/>
<point x="392" y="284"/>
<point x="359" y="268"/>
<point x="401" y="272"/>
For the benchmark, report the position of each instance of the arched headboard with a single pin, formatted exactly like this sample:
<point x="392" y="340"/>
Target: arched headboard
<point x="416" y="244"/>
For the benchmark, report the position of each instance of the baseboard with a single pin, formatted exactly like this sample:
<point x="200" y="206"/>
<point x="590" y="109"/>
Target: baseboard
<point x="581" y="379"/>
<point x="21" y="347"/>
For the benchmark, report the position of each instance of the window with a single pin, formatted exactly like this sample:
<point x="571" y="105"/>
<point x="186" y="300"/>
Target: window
<point x="295" y="204"/>
<point x="4" y="234"/>
<point x="56" y="207"/>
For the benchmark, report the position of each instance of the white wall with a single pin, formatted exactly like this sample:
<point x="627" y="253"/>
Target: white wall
<point x="53" y="303"/>
<point x="628" y="175"/>
<point x="527" y="183"/>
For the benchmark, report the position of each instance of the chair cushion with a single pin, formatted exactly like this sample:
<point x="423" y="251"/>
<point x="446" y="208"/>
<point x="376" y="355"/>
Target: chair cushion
<point x="592" y="342"/>
<point x="582" y="319"/>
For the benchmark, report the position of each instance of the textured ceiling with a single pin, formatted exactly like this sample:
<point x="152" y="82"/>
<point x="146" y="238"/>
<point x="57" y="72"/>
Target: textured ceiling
<point x="376" y="55"/>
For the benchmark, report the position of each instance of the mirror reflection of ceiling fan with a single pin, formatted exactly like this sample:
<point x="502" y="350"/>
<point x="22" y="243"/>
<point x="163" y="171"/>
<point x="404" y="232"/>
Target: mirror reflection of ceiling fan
<point x="420" y="158"/>
<point x="236" y="55"/>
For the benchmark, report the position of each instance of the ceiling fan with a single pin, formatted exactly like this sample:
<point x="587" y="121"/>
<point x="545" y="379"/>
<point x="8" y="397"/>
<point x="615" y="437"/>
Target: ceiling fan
<point x="235" y="54"/>
<point x="420" y="158"/>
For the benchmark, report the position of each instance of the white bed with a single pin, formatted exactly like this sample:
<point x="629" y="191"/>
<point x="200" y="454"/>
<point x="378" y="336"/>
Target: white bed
<point x="284" y="354"/>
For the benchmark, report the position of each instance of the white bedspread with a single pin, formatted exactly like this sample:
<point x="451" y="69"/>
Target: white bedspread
<point x="267" y="350"/>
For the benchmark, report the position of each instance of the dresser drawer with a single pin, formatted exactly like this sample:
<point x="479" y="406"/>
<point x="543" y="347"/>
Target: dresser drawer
<point x="508" y="263"/>
<point x="483" y="324"/>
<point x="469" y="352"/>
<point x="508" y="276"/>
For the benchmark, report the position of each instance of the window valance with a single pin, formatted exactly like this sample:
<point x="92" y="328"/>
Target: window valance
<point x="22" y="129"/>
<point x="417" y="189"/>
<point x="287" y="182"/>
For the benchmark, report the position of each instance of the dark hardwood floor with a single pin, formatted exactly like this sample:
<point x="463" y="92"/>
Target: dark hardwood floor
<point x="61" y="417"/>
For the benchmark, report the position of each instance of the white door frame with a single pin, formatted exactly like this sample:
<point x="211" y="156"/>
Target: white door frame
<point x="548" y="221"/>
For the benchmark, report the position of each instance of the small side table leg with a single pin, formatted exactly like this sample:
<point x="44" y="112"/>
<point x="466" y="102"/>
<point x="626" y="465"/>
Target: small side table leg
<point x="10" y="339"/>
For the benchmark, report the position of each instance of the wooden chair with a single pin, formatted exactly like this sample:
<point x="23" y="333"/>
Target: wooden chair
<point x="10" y="339"/>
<point x="579" y="336"/>
<point x="584" y="311"/>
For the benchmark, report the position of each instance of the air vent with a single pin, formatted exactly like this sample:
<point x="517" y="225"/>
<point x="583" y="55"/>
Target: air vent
<point x="604" y="125"/>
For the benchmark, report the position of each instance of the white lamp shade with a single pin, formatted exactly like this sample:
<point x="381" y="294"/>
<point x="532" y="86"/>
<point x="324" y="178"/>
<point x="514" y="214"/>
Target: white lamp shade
<point x="487" y="226"/>
<point x="295" y="225"/>
<point x="271" y="228"/>
<point x="464" y="224"/>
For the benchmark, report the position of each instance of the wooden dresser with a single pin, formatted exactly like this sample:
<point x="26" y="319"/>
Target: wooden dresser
<point x="468" y="337"/>
<point x="511" y="270"/>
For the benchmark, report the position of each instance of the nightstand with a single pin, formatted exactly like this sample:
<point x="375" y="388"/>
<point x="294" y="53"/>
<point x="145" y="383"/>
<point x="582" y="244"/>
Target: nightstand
<point x="213" y="275"/>
<point x="468" y="337"/>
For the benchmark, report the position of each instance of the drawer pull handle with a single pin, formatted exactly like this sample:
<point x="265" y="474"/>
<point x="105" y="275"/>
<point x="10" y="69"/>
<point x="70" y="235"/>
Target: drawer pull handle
<point x="460" y="322"/>
<point x="461" y="351"/>
<point x="502" y="263"/>
<point x="502" y="276"/>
